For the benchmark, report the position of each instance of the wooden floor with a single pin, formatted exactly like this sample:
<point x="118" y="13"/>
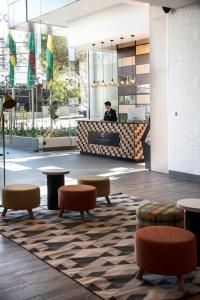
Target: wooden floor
<point x="24" y="276"/>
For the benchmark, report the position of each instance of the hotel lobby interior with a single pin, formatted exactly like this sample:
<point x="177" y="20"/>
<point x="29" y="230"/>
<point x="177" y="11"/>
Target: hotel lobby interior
<point x="110" y="209"/>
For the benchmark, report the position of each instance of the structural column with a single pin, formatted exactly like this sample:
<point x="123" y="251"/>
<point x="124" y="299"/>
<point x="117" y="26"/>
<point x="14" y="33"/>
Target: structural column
<point x="159" y="87"/>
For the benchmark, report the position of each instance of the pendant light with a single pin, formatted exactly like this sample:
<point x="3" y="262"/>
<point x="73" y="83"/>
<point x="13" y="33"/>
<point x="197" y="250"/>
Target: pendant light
<point x="122" y="82"/>
<point x="94" y="84"/>
<point x="133" y="71"/>
<point x="112" y="83"/>
<point x="103" y="84"/>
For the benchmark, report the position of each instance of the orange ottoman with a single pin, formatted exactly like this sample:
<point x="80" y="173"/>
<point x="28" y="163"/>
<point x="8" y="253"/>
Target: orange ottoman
<point x="166" y="250"/>
<point x="77" y="198"/>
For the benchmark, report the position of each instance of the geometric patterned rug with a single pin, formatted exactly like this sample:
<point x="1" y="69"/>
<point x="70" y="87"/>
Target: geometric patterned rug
<point x="97" y="253"/>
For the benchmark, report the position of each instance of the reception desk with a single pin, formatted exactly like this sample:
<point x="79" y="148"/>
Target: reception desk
<point x="111" y="139"/>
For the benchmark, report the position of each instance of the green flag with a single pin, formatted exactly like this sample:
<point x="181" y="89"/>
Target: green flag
<point x="31" y="60"/>
<point x="49" y="59"/>
<point x="12" y="59"/>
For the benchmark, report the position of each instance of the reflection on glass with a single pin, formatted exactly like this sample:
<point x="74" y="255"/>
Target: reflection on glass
<point x="123" y="117"/>
<point x="128" y="99"/>
<point x="147" y="108"/>
<point x="127" y="80"/>
<point x="143" y="89"/>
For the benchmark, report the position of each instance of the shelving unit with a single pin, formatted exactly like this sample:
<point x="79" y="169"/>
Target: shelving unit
<point x="133" y="61"/>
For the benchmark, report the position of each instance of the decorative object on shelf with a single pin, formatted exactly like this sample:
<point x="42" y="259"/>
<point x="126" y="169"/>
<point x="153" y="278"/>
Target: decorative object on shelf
<point x="133" y="81"/>
<point x="102" y="84"/>
<point x="94" y="84"/>
<point x="8" y="103"/>
<point x="122" y="81"/>
<point x="112" y="83"/>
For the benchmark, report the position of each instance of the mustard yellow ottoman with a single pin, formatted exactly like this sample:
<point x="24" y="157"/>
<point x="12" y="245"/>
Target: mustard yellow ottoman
<point x="101" y="183"/>
<point x="20" y="196"/>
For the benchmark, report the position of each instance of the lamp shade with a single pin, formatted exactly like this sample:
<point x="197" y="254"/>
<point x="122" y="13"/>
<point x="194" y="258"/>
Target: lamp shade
<point x="8" y="102"/>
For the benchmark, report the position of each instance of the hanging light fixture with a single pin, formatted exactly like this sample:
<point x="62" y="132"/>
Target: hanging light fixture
<point x="133" y="73"/>
<point x="103" y="84"/>
<point x="112" y="83"/>
<point x="94" y="84"/>
<point x="122" y="82"/>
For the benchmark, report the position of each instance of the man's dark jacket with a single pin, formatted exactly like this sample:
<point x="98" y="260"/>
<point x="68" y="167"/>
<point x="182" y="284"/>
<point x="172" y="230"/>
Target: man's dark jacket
<point x="110" y="115"/>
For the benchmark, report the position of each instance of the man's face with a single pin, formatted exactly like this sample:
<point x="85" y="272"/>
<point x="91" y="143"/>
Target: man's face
<point x="107" y="107"/>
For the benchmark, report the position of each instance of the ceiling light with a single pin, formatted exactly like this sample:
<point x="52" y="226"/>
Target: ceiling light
<point x="133" y="71"/>
<point x="94" y="84"/>
<point x="122" y="82"/>
<point x="112" y="83"/>
<point x="102" y="84"/>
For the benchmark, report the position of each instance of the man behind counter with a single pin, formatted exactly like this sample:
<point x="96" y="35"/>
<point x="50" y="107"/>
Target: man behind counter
<point x="110" y="114"/>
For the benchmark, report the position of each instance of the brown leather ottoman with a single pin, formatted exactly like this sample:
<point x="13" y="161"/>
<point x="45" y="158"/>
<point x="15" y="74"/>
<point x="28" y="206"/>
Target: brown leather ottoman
<point x="166" y="250"/>
<point x="20" y="196"/>
<point x="77" y="198"/>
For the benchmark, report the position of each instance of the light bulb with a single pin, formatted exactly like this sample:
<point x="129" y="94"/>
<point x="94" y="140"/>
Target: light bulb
<point x="122" y="82"/>
<point x="94" y="84"/>
<point x="133" y="80"/>
<point x="112" y="83"/>
<point x="103" y="84"/>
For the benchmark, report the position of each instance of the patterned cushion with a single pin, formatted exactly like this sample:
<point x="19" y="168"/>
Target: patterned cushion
<point x="154" y="213"/>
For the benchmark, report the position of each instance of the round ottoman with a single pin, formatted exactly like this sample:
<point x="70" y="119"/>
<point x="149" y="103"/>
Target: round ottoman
<point x="154" y="213"/>
<point x="101" y="183"/>
<point x="76" y="198"/>
<point x="20" y="196"/>
<point x="166" y="250"/>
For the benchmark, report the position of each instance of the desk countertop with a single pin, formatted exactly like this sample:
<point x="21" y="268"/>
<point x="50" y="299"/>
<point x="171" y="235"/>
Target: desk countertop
<point x="135" y="122"/>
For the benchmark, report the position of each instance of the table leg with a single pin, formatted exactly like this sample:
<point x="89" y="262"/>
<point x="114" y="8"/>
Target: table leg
<point x="192" y="223"/>
<point x="53" y="184"/>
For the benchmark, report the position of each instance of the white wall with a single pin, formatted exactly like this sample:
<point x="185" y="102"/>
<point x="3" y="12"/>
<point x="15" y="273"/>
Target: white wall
<point x="159" y="81"/>
<point x="184" y="90"/>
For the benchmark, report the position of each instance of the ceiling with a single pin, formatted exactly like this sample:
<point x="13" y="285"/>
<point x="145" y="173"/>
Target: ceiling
<point x="77" y="10"/>
<point x="113" y="23"/>
<point x="88" y="21"/>
<point x="83" y="8"/>
<point x="168" y="3"/>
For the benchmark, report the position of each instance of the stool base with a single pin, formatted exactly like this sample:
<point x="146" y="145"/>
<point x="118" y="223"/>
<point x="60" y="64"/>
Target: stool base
<point x="29" y="211"/>
<point x="181" y="283"/>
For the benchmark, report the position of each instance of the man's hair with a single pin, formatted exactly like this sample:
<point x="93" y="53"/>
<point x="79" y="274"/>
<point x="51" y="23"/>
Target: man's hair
<point x="107" y="103"/>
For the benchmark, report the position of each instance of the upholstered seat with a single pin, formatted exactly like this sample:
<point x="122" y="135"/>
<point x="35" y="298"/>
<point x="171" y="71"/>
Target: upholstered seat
<point x="20" y="196"/>
<point x="102" y="184"/>
<point x="76" y="198"/>
<point x="165" y="250"/>
<point x="155" y="213"/>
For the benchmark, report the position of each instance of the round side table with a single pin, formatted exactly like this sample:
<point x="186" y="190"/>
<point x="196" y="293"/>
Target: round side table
<point x="192" y="219"/>
<point x="55" y="179"/>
